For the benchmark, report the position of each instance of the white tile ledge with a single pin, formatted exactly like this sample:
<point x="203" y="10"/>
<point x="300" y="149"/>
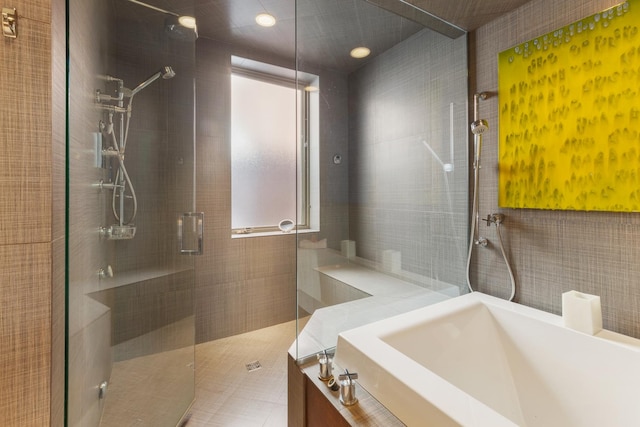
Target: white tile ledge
<point x="271" y="233"/>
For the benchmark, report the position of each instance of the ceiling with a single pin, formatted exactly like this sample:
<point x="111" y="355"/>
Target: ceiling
<point x="467" y="14"/>
<point x="329" y="29"/>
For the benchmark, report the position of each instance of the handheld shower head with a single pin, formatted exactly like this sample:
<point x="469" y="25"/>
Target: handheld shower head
<point x="165" y="72"/>
<point x="479" y="126"/>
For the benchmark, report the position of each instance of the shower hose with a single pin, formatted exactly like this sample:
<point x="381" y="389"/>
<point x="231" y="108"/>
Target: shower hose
<point x="474" y="225"/>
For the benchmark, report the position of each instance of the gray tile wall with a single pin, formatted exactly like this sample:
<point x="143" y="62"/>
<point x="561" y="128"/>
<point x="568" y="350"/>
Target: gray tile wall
<point x="159" y="155"/>
<point x="552" y="251"/>
<point x="249" y="283"/>
<point x="400" y="197"/>
<point x="334" y="139"/>
<point x="86" y="213"/>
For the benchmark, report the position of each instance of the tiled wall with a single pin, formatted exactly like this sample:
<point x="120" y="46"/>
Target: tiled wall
<point x="333" y="139"/>
<point x="160" y="162"/>
<point x="32" y="224"/>
<point x="89" y="321"/>
<point x="152" y="287"/>
<point x="159" y="151"/>
<point x="552" y="251"/>
<point x="400" y="197"/>
<point x="247" y="283"/>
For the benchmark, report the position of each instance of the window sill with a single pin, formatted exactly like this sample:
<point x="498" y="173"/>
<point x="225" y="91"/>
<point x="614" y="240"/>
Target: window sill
<point x="272" y="233"/>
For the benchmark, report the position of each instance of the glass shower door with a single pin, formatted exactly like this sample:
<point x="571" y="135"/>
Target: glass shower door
<point x="131" y="230"/>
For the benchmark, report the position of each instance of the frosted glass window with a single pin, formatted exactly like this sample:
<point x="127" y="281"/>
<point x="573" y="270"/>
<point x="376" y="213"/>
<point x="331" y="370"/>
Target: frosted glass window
<point x="264" y="153"/>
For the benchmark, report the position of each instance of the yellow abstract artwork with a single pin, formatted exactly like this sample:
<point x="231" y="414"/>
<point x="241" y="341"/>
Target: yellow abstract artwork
<point x="570" y="116"/>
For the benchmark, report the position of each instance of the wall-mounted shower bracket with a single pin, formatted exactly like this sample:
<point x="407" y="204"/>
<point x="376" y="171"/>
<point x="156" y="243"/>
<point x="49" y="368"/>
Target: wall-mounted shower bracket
<point x="107" y="186"/>
<point x="112" y="108"/>
<point x="481" y="241"/>
<point x="101" y="97"/>
<point x="110" y="152"/>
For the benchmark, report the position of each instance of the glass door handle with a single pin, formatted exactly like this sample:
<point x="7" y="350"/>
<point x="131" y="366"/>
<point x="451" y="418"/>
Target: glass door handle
<point x="191" y="233"/>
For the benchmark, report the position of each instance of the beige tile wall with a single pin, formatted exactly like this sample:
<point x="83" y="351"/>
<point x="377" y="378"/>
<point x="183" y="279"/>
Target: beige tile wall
<point x="32" y="217"/>
<point x="25" y="334"/>
<point x="552" y="251"/>
<point x="26" y="141"/>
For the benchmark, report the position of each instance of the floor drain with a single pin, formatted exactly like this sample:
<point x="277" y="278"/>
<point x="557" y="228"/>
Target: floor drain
<point x="253" y="366"/>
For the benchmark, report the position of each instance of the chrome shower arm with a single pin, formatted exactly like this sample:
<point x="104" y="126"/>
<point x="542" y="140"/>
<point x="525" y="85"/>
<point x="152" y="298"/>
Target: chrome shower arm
<point x="165" y="72"/>
<point x="145" y="83"/>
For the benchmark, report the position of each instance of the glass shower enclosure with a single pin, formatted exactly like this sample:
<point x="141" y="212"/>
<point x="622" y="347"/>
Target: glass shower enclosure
<point x="131" y="226"/>
<point x="392" y="155"/>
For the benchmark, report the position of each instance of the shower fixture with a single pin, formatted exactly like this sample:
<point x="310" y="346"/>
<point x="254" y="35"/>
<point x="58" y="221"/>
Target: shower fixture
<point x="165" y="72"/>
<point x="121" y="185"/>
<point x="179" y="27"/>
<point x="478" y="128"/>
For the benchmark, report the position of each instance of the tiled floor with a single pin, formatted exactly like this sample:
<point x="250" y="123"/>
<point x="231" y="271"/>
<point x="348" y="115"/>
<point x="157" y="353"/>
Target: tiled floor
<point x="149" y="389"/>
<point x="152" y="390"/>
<point x="229" y="395"/>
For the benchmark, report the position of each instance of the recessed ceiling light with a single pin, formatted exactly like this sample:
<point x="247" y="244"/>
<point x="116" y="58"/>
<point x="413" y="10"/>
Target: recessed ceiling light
<point x="360" y="52"/>
<point x="265" y="20"/>
<point x="187" y="21"/>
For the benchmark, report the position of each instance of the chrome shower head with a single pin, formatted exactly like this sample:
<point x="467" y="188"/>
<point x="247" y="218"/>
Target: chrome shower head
<point x="165" y="72"/>
<point x="180" y="29"/>
<point x="479" y="126"/>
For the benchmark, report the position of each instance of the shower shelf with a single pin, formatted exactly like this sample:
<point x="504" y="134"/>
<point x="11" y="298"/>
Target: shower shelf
<point x="133" y="277"/>
<point x="97" y="303"/>
<point x="374" y="282"/>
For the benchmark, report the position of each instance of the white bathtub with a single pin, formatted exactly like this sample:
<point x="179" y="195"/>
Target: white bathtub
<point x="476" y="360"/>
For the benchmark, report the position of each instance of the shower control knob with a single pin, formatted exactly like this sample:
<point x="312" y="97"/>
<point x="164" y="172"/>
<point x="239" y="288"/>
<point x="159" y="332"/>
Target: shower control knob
<point x="104" y="232"/>
<point x="498" y="218"/>
<point x="102" y="390"/>
<point x="105" y="273"/>
<point x="481" y="241"/>
<point x="494" y="218"/>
